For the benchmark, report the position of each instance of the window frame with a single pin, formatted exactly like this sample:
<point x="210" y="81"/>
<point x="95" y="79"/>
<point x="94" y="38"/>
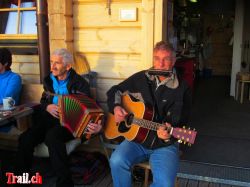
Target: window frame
<point x="19" y="43"/>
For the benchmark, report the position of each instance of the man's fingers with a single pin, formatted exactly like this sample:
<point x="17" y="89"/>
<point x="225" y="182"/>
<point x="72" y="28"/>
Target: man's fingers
<point x="93" y="128"/>
<point x="168" y="124"/>
<point x="55" y="113"/>
<point x="124" y="112"/>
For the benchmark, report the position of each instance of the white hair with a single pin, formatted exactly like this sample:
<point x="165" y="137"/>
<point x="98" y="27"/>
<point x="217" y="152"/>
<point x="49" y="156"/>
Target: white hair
<point x="67" y="57"/>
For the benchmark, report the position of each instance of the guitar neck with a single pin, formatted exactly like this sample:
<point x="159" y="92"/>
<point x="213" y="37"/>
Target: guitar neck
<point x="182" y="134"/>
<point x="150" y="124"/>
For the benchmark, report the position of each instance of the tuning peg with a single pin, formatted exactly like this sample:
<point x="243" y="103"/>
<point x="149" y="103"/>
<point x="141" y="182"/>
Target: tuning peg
<point x="194" y="129"/>
<point x="184" y="143"/>
<point x="183" y="127"/>
<point x="189" y="144"/>
<point x="180" y="141"/>
<point x="188" y="128"/>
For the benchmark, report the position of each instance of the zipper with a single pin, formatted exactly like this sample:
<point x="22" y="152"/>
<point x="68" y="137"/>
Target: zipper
<point x="155" y="112"/>
<point x="152" y="142"/>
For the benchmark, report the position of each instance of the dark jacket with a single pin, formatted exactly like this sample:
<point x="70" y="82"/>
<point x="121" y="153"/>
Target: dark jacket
<point x="170" y="105"/>
<point x="76" y="84"/>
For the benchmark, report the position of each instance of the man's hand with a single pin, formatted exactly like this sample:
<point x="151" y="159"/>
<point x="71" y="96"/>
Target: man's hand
<point x="53" y="110"/>
<point x="94" y="128"/>
<point x="120" y="114"/>
<point x="162" y="132"/>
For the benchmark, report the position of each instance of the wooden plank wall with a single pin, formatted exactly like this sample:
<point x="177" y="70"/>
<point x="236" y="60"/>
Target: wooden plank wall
<point x="27" y="66"/>
<point x="114" y="49"/>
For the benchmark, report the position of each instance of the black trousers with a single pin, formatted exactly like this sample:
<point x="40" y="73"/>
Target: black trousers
<point x="46" y="129"/>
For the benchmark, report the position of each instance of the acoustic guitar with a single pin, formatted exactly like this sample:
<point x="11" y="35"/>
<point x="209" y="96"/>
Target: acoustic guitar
<point x="138" y="123"/>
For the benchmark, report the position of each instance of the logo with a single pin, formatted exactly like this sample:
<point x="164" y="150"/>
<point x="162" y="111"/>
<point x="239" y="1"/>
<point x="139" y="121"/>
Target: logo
<point x="23" y="179"/>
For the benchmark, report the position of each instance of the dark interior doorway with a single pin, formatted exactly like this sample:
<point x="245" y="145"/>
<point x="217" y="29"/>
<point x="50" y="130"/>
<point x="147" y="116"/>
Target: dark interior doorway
<point x="222" y="124"/>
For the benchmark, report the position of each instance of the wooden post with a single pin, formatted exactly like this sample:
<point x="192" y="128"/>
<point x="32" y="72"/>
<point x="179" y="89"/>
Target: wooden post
<point x="43" y="38"/>
<point x="61" y="24"/>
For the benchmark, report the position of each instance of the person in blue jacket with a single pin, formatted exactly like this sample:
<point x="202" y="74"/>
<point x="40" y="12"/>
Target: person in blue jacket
<point x="10" y="82"/>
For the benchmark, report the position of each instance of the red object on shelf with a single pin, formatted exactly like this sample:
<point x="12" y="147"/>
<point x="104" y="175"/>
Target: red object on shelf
<point x="186" y="67"/>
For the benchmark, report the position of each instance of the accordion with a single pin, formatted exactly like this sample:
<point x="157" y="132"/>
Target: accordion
<point x="77" y="111"/>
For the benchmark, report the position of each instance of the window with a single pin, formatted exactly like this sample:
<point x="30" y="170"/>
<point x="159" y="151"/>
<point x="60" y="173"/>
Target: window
<point x="18" y="30"/>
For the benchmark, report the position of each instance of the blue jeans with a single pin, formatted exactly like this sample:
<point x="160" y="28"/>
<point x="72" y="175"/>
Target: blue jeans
<point x="164" y="163"/>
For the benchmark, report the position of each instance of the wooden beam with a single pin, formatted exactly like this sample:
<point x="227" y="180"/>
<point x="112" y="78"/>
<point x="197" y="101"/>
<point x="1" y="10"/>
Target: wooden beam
<point x="147" y="14"/>
<point x="158" y="21"/>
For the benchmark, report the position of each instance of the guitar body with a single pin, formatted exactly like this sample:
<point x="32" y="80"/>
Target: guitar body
<point x="131" y="132"/>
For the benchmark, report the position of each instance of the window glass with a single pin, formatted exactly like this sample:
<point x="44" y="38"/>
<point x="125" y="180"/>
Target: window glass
<point x="13" y="6"/>
<point x="28" y="22"/>
<point x="27" y="4"/>
<point x="8" y="20"/>
<point x="18" y="30"/>
<point x="11" y="27"/>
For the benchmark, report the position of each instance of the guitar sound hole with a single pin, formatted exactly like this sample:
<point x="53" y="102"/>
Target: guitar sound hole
<point x="122" y="127"/>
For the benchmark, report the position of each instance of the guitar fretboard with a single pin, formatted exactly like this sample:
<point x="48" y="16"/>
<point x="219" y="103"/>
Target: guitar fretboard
<point x="181" y="134"/>
<point x="149" y="124"/>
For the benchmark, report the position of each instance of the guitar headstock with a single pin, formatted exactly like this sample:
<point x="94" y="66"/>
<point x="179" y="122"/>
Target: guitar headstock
<point x="184" y="135"/>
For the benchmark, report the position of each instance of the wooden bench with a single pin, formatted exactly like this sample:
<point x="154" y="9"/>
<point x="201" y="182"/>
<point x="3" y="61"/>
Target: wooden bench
<point x="42" y="150"/>
<point x="30" y="96"/>
<point x="31" y="93"/>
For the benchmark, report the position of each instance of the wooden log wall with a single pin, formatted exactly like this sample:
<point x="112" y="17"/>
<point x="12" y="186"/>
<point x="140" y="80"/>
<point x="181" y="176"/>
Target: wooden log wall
<point x="27" y="66"/>
<point x="60" y="24"/>
<point x="115" y="49"/>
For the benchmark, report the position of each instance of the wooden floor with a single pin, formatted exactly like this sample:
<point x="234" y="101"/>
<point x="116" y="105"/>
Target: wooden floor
<point x="195" y="183"/>
<point x="106" y="181"/>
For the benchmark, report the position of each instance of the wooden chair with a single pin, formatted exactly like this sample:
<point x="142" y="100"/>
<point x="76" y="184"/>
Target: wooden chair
<point x="241" y="79"/>
<point x="146" y="167"/>
<point x="109" y="147"/>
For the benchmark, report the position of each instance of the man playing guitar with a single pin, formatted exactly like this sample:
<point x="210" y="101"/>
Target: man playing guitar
<point x="170" y="98"/>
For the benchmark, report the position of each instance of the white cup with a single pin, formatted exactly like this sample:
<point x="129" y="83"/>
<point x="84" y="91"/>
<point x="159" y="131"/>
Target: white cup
<point x="8" y="103"/>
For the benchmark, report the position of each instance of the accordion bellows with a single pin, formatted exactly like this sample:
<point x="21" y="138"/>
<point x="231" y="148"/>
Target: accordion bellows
<point x="77" y="111"/>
